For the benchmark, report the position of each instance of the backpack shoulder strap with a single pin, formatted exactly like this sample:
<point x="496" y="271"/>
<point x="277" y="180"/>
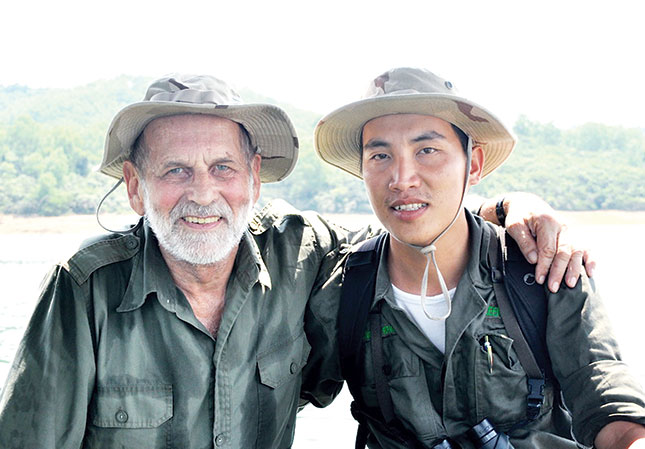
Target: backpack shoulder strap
<point x="517" y="305"/>
<point x="357" y="294"/>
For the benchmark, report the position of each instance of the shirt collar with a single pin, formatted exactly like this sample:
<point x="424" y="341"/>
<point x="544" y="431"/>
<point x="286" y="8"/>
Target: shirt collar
<point x="150" y="274"/>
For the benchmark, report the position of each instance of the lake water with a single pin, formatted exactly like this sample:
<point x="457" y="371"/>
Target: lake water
<point x="26" y="258"/>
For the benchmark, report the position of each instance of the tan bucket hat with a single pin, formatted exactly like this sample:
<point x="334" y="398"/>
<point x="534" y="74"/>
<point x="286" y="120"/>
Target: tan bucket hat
<point x="337" y="137"/>
<point x="270" y="129"/>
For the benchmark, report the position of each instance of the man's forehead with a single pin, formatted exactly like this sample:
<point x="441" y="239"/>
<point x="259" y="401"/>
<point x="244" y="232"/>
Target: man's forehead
<point x="407" y="118"/>
<point x="422" y="127"/>
<point x="180" y="122"/>
<point x="185" y="137"/>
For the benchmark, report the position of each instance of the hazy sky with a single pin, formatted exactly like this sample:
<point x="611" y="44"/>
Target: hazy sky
<point x="564" y="61"/>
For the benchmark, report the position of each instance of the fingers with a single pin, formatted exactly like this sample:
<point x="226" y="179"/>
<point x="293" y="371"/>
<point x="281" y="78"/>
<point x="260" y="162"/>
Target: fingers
<point x="548" y="246"/>
<point x="521" y="233"/>
<point x="568" y="264"/>
<point x="590" y="263"/>
<point x="574" y="269"/>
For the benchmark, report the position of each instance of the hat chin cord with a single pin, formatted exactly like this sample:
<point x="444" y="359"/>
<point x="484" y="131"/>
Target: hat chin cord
<point x="98" y="209"/>
<point x="429" y="252"/>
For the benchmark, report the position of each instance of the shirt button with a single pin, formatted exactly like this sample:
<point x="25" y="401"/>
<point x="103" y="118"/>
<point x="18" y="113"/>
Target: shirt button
<point x="293" y="368"/>
<point x="131" y="243"/>
<point x="219" y="440"/>
<point x="121" y="416"/>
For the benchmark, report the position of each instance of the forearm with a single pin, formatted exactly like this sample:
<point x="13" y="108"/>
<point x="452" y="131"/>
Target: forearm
<point x="621" y="435"/>
<point x="488" y="208"/>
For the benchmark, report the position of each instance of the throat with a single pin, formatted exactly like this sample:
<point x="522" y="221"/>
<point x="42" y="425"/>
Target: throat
<point x="208" y="311"/>
<point x="406" y="265"/>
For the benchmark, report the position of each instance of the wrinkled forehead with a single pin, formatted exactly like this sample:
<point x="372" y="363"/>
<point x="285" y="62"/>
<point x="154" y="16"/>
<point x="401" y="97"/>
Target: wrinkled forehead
<point x="190" y="136"/>
<point x="191" y="123"/>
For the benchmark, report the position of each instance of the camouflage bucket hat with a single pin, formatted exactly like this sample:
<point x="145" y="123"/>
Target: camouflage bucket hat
<point x="337" y="137"/>
<point x="271" y="131"/>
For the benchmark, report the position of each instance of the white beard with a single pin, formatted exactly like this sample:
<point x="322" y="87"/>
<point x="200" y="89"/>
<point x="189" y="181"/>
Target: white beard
<point x="199" y="247"/>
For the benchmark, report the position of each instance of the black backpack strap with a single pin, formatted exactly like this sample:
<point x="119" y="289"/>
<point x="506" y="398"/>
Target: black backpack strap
<point x="357" y="295"/>
<point x="508" y="313"/>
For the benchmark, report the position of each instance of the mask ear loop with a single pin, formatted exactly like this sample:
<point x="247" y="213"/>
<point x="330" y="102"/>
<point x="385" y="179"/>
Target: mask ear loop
<point x="98" y="209"/>
<point x="429" y="251"/>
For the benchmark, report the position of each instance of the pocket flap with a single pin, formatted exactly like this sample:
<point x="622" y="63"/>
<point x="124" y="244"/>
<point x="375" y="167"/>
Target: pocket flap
<point x="132" y="406"/>
<point x="284" y="362"/>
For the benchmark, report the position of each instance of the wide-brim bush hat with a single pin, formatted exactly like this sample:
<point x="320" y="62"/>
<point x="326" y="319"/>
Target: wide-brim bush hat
<point x="337" y="137"/>
<point x="270" y="129"/>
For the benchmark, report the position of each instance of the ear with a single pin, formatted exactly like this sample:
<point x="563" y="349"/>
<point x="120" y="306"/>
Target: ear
<point x="256" y="163"/>
<point x="476" y="165"/>
<point x="135" y="190"/>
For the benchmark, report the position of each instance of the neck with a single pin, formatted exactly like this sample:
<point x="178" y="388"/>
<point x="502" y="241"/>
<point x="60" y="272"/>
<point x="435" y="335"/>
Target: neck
<point x="204" y="286"/>
<point x="407" y="264"/>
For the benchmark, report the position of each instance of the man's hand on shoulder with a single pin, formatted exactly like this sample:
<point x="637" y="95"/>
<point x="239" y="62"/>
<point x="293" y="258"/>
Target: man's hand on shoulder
<point x="542" y="237"/>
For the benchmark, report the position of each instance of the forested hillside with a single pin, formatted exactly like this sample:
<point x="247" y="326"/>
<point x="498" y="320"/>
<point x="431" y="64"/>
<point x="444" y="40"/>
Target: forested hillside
<point x="52" y="139"/>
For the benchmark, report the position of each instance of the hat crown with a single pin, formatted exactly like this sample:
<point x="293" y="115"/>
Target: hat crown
<point x="406" y="81"/>
<point x="196" y="89"/>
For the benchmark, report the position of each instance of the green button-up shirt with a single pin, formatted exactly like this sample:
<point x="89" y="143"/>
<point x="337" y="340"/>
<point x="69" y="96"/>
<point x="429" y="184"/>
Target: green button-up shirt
<point x="114" y="357"/>
<point x="436" y="395"/>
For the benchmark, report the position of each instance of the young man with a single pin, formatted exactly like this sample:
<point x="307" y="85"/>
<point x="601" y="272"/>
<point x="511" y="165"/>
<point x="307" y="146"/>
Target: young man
<point x="448" y="364"/>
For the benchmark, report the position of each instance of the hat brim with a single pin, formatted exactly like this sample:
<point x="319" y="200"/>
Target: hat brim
<point x="337" y="137"/>
<point x="268" y="126"/>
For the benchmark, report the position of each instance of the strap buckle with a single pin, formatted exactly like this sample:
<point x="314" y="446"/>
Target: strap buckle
<point x="535" y="398"/>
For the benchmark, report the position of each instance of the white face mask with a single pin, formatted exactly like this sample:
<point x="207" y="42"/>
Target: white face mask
<point x="199" y="247"/>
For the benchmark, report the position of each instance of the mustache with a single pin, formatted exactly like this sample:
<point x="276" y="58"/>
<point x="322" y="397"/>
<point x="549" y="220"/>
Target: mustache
<point x="191" y="208"/>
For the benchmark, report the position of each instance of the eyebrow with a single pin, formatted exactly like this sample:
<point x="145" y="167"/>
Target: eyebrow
<point x="178" y="163"/>
<point x="430" y="135"/>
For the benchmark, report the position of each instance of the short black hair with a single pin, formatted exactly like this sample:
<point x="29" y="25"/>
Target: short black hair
<point x="463" y="138"/>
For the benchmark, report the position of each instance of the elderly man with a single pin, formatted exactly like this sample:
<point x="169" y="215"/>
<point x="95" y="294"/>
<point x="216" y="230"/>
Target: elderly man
<point x="435" y="361"/>
<point x="192" y="329"/>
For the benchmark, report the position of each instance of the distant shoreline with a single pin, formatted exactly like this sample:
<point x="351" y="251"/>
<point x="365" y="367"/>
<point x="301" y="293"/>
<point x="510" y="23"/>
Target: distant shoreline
<point x="14" y="224"/>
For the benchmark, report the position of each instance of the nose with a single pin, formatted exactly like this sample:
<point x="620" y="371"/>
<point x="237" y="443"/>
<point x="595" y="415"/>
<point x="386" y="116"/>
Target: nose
<point x="203" y="190"/>
<point x="404" y="174"/>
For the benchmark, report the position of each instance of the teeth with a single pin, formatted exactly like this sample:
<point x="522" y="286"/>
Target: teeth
<point x="409" y="207"/>
<point x="200" y="220"/>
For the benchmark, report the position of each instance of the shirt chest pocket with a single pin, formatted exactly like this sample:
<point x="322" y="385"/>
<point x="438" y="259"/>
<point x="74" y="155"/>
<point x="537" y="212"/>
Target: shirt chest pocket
<point x="500" y="382"/>
<point x="131" y="415"/>
<point x="280" y="378"/>
<point x="283" y="362"/>
<point x="398" y="360"/>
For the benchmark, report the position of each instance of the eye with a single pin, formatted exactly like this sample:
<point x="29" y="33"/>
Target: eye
<point x="222" y="167"/>
<point x="176" y="172"/>
<point x="428" y="150"/>
<point x="379" y="156"/>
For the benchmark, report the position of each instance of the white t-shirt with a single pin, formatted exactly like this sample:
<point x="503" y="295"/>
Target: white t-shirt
<point x="435" y="330"/>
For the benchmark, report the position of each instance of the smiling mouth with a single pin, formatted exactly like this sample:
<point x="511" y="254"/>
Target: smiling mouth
<point x="201" y="220"/>
<point x="410" y="207"/>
